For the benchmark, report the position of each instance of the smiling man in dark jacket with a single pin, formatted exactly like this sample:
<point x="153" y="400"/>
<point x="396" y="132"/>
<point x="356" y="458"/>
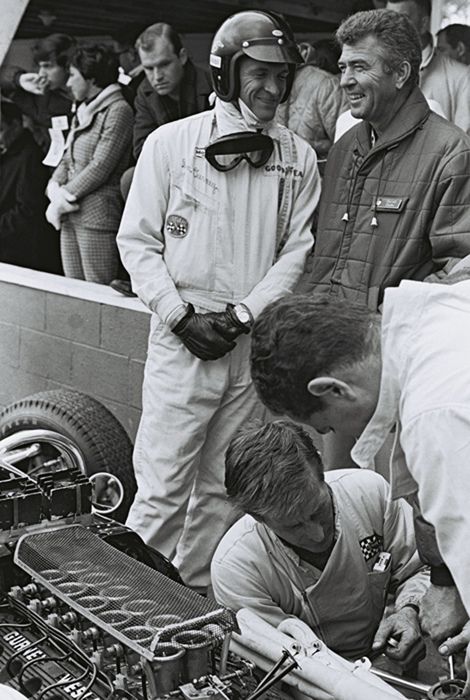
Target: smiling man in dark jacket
<point x="396" y="189"/>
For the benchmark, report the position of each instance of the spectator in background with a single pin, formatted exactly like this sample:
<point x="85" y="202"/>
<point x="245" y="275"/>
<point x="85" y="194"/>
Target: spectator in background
<point x="173" y="87"/>
<point x="131" y="72"/>
<point x="43" y="96"/>
<point x="86" y="203"/>
<point x="454" y="41"/>
<point x="441" y="78"/>
<point x="315" y="102"/>
<point x="326" y="55"/>
<point x="25" y="237"/>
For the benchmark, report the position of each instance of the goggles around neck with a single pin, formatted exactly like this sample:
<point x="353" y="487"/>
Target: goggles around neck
<point x="228" y="151"/>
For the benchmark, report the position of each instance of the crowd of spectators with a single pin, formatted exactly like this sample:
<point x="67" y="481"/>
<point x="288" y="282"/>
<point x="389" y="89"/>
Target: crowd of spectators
<point x="122" y="141"/>
<point x="89" y="139"/>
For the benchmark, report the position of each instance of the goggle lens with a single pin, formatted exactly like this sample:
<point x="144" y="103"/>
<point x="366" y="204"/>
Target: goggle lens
<point x="227" y="152"/>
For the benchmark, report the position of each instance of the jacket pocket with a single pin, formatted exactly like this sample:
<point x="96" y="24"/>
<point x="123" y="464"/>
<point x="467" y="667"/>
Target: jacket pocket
<point x="379" y="582"/>
<point x="190" y="232"/>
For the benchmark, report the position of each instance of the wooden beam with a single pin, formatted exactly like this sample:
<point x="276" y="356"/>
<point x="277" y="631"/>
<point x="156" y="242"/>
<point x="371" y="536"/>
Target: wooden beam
<point x="12" y="12"/>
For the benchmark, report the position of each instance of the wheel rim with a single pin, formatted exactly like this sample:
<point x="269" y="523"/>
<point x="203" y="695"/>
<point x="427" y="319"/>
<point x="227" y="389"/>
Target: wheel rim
<point x="30" y="447"/>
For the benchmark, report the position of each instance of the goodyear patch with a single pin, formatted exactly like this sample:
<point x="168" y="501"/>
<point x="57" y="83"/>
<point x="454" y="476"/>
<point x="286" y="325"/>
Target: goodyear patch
<point x="177" y="226"/>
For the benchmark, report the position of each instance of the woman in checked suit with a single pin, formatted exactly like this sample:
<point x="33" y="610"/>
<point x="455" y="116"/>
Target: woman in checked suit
<point x="85" y="200"/>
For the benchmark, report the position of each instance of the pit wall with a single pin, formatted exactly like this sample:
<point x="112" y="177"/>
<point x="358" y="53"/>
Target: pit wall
<point x="58" y="333"/>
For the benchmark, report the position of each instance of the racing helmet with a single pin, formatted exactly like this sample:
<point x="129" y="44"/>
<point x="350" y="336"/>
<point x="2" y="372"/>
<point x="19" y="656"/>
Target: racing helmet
<point x="263" y="36"/>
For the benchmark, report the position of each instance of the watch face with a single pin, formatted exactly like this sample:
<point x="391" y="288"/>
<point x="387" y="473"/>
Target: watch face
<point x="243" y="315"/>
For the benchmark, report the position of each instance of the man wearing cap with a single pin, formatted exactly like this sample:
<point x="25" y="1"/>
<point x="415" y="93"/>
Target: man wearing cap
<point x="216" y="226"/>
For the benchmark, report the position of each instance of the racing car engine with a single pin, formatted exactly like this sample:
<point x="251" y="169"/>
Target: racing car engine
<point x="82" y="615"/>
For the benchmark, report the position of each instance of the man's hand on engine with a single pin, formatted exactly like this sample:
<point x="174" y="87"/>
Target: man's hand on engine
<point x="460" y="643"/>
<point x="403" y="626"/>
<point x="442" y="613"/>
<point x="200" y="336"/>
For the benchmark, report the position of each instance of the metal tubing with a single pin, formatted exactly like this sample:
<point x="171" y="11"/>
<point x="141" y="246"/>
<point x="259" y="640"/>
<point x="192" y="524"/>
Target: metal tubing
<point x="401" y="682"/>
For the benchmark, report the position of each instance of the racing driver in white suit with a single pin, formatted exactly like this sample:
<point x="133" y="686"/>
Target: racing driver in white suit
<point x="217" y="225"/>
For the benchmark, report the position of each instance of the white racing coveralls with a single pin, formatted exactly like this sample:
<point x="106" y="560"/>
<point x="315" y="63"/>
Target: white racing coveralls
<point x="192" y="234"/>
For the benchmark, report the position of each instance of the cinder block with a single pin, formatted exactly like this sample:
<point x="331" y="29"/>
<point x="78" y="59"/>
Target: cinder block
<point x="75" y="319"/>
<point x="136" y="378"/>
<point x="126" y="329"/>
<point x="45" y="356"/>
<point x="9" y="345"/>
<point x="100" y="373"/>
<point x="18" y="384"/>
<point x="22" y="306"/>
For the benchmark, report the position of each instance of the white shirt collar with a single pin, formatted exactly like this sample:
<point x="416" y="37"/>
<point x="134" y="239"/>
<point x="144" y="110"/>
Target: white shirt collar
<point x="427" y="55"/>
<point x="230" y="120"/>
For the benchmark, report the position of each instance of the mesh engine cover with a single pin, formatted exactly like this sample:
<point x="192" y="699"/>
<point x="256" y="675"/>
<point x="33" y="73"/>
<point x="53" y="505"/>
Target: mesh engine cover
<point x="132" y="602"/>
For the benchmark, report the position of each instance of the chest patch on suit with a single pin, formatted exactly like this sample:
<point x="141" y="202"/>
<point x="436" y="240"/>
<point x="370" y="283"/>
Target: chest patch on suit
<point x="176" y="226"/>
<point x="371" y="546"/>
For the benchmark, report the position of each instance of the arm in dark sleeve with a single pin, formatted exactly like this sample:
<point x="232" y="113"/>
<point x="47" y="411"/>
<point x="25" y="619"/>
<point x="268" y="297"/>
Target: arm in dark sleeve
<point x="428" y="550"/>
<point x="144" y="121"/>
<point x="18" y="224"/>
<point x="450" y="229"/>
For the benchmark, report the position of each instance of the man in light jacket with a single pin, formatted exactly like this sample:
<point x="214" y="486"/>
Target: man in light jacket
<point x="441" y="78"/>
<point x="324" y="548"/>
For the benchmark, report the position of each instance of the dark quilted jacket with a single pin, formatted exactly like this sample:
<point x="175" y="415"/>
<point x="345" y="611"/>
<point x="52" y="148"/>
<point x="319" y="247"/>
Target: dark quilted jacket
<point x="399" y="210"/>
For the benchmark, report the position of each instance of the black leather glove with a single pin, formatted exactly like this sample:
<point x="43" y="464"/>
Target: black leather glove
<point x="201" y="338"/>
<point x="228" y="324"/>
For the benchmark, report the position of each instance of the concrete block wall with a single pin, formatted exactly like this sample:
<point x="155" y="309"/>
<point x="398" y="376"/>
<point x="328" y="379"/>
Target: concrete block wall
<point x="63" y="333"/>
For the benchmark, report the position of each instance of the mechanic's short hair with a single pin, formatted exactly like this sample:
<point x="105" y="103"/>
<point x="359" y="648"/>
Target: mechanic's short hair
<point x="394" y="33"/>
<point x="97" y="62"/>
<point x="146" y="40"/>
<point x="271" y="468"/>
<point x="454" y="33"/>
<point x="298" y="338"/>
<point x="56" y="48"/>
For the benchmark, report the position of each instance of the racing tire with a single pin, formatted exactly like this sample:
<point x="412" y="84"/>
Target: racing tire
<point x="97" y="434"/>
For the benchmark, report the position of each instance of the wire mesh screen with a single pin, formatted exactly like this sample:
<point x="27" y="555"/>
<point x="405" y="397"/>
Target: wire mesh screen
<point x="136" y="604"/>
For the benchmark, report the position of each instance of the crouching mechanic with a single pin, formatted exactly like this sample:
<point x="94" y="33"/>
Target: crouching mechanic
<point x="326" y="548"/>
<point x="216" y="226"/>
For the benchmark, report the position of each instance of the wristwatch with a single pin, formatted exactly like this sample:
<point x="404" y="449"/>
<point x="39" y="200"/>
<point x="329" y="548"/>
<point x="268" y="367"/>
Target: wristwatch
<point x="243" y="314"/>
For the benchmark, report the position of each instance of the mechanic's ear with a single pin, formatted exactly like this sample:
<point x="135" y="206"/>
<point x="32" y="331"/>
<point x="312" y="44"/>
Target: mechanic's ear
<point x="329" y="386"/>
<point x="183" y="56"/>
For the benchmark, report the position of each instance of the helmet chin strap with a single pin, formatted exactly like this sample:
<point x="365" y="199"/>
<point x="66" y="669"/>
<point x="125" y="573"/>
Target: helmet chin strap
<point x="250" y="118"/>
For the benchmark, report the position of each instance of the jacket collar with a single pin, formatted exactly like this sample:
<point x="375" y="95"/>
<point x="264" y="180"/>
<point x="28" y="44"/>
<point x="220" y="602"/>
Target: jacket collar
<point x="427" y="54"/>
<point x="86" y="112"/>
<point x="413" y="112"/>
